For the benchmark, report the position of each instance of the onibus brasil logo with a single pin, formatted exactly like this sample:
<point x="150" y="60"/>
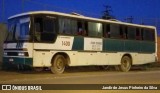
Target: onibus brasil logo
<point x="21" y="87"/>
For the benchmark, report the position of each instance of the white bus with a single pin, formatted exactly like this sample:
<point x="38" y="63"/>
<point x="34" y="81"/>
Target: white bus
<point x="51" y="39"/>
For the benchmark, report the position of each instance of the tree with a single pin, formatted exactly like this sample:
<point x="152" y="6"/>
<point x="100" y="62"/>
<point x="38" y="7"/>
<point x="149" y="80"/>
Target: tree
<point x="107" y="13"/>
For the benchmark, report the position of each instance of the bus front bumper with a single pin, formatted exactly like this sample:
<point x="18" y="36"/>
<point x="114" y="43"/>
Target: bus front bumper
<point x="17" y="61"/>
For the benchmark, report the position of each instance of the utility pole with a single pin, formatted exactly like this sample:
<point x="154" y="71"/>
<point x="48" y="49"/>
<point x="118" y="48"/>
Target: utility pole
<point x="107" y="12"/>
<point x="3" y="11"/>
<point x="129" y="19"/>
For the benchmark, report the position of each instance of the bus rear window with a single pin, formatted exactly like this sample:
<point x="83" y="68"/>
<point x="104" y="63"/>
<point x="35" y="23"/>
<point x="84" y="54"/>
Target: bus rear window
<point x="149" y="35"/>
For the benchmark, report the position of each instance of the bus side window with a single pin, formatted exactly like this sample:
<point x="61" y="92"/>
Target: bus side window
<point x="148" y="34"/>
<point x="138" y="36"/>
<point x="121" y="32"/>
<point x="131" y="33"/>
<point x="80" y="27"/>
<point x="114" y="29"/>
<point x="39" y="24"/>
<point x="37" y="32"/>
<point x="49" y="25"/>
<point x="153" y="34"/>
<point x="67" y="26"/>
<point x="38" y="28"/>
<point x="107" y="32"/>
<point x="142" y="32"/>
<point x="49" y="30"/>
<point x="85" y="29"/>
<point x="126" y="33"/>
<point x="95" y="29"/>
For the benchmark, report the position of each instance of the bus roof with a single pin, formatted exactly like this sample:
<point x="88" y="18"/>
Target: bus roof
<point x="80" y="17"/>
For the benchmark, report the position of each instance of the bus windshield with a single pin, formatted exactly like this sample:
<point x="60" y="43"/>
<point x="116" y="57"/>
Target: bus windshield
<point x="19" y="29"/>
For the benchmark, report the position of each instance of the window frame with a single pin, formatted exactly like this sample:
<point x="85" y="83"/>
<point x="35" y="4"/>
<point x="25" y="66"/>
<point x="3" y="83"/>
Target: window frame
<point x="101" y="32"/>
<point x="151" y="34"/>
<point x="116" y="32"/>
<point x="131" y="35"/>
<point x="106" y="30"/>
<point x="44" y="17"/>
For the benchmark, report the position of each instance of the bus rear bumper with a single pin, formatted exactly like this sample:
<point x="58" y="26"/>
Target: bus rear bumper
<point x="17" y="61"/>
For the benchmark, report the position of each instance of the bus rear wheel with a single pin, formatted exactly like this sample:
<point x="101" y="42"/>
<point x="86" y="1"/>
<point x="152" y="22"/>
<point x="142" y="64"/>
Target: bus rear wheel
<point x="58" y="64"/>
<point x="126" y="63"/>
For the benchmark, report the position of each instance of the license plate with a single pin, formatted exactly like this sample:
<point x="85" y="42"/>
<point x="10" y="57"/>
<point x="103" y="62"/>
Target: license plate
<point x="11" y="60"/>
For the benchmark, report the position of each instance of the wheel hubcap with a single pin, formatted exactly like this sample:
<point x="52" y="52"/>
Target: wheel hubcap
<point x="59" y="64"/>
<point x="125" y="64"/>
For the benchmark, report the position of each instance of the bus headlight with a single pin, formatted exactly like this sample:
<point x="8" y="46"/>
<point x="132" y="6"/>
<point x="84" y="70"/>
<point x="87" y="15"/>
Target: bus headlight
<point x="21" y="54"/>
<point x="5" y="53"/>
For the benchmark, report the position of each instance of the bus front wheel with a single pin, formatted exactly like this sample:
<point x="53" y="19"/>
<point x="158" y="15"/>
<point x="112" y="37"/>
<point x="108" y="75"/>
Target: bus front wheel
<point x="126" y="63"/>
<point x="58" y="64"/>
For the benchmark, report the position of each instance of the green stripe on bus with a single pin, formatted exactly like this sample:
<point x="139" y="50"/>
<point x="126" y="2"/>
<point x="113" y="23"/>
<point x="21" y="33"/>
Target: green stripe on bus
<point x="148" y="47"/>
<point x="132" y="46"/>
<point x="78" y="43"/>
<point x="17" y="60"/>
<point x="128" y="46"/>
<point x="113" y="45"/>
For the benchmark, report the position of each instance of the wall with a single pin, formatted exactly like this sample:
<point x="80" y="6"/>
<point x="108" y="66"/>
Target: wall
<point x="158" y="48"/>
<point x="3" y="31"/>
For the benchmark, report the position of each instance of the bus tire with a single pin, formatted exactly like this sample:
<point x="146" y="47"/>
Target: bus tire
<point x="58" y="64"/>
<point x="126" y="63"/>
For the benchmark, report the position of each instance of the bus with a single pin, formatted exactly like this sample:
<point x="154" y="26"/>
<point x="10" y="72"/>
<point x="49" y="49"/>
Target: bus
<point x="48" y="39"/>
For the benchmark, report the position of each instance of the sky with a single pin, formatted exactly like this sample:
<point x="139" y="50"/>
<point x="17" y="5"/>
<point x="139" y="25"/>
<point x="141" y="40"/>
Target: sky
<point x="121" y="9"/>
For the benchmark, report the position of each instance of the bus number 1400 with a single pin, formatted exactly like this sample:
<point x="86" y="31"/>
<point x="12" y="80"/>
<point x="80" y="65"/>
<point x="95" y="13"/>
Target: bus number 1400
<point x="65" y="43"/>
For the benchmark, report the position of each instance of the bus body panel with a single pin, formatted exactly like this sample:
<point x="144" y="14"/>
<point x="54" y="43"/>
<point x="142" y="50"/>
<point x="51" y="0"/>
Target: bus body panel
<point x="92" y="55"/>
<point x="12" y="53"/>
<point x="93" y="58"/>
<point x="81" y="51"/>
